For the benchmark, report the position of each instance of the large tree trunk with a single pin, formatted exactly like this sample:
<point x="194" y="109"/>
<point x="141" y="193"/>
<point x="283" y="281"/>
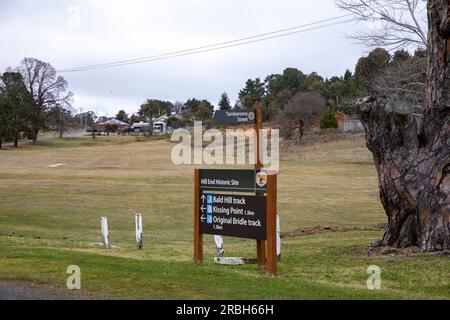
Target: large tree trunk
<point x="301" y="130"/>
<point x="411" y="150"/>
<point x="413" y="173"/>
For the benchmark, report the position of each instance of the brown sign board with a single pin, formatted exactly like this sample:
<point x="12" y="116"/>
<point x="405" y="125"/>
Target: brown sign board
<point x="233" y="215"/>
<point x="234" y="117"/>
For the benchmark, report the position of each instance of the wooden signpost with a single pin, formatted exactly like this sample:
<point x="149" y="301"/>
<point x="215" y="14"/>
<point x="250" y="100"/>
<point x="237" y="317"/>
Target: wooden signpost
<point x="238" y="203"/>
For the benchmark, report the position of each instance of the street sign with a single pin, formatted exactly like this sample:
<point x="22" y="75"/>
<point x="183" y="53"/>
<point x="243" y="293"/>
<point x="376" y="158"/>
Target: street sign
<point x="237" y="117"/>
<point x="233" y="215"/>
<point x="233" y="180"/>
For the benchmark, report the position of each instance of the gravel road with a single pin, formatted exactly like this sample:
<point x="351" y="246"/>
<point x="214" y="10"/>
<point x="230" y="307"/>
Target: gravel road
<point x="12" y="290"/>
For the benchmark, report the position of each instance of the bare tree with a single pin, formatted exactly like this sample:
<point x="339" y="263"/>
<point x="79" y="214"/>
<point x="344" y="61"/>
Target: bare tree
<point x="178" y="107"/>
<point x="401" y="22"/>
<point x="302" y="111"/>
<point x="48" y="90"/>
<point x="60" y="118"/>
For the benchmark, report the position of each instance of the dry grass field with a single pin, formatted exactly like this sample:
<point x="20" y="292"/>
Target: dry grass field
<point x="52" y="196"/>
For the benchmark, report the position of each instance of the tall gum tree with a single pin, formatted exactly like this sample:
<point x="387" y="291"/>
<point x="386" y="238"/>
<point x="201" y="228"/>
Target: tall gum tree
<point x="48" y="90"/>
<point x="411" y="149"/>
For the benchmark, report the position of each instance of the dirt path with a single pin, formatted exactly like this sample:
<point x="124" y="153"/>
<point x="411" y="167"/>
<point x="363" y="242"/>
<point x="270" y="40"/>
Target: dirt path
<point x="69" y="134"/>
<point x="321" y="229"/>
<point x="19" y="290"/>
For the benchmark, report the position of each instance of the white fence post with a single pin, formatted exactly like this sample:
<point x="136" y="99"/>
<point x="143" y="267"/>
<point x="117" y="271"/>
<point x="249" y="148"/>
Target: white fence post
<point x="219" y="245"/>
<point x="138" y="230"/>
<point x="105" y="232"/>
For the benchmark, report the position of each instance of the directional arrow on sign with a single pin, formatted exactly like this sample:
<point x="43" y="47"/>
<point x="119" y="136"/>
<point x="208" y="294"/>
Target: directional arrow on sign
<point x="203" y="198"/>
<point x="203" y="208"/>
<point x="202" y="218"/>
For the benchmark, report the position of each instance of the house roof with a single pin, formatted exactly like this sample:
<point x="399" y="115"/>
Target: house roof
<point x="140" y="124"/>
<point x="162" y="118"/>
<point x="114" y="122"/>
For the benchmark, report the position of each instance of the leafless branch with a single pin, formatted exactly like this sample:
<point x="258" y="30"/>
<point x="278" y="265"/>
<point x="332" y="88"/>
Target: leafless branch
<point x="404" y="83"/>
<point x="46" y="88"/>
<point x="402" y="23"/>
<point x="302" y="111"/>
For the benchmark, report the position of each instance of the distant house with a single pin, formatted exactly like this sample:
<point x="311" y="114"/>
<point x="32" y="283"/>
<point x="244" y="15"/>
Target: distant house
<point x="113" y="125"/>
<point x="139" y="127"/>
<point x="159" y="126"/>
<point x="161" y="119"/>
<point x="353" y="125"/>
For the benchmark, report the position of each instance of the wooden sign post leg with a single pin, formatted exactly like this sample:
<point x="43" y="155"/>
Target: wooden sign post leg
<point x="272" y="225"/>
<point x="261" y="253"/>
<point x="260" y="244"/>
<point x="198" y="237"/>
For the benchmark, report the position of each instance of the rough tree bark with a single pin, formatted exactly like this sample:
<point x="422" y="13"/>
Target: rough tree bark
<point x="411" y="149"/>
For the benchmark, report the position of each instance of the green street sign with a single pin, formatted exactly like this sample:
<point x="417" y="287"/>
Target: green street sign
<point x="237" y="117"/>
<point x="233" y="180"/>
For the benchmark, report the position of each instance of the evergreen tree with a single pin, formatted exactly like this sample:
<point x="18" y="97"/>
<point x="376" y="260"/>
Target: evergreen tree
<point x="204" y="112"/>
<point x="253" y="92"/>
<point x="224" y="103"/>
<point x="329" y="120"/>
<point x="122" y="116"/>
<point x="15" y="107"/>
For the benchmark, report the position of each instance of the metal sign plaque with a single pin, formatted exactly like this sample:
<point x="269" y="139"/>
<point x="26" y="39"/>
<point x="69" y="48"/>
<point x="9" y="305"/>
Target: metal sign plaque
<point x="233" y="215"/>
<point x="236" y="117"/>
<point x="233" y="180"/>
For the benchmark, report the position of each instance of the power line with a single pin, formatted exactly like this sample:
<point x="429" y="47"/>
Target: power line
<point x="217" y="46"/>
<point x="212" y="45"/>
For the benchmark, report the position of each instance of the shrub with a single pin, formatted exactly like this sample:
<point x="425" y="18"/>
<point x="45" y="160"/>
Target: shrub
<point x="329" y="120"/>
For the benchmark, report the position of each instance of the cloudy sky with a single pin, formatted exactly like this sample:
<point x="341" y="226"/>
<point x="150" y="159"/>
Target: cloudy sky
<point x="77" y="33"/>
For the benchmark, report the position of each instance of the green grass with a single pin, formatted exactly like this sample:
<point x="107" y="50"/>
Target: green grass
<point x="49" y="219"/>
